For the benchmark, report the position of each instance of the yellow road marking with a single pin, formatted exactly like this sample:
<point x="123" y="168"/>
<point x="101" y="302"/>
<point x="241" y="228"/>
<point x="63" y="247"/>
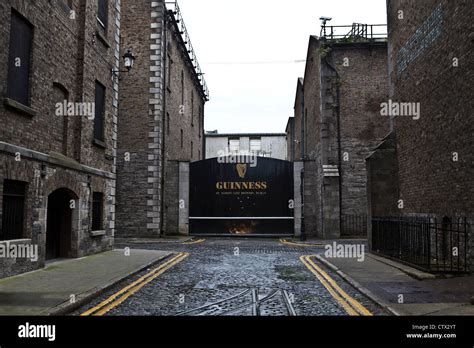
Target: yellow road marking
<point x="355" y="304"/>
<point x="194" y="242"/>
<point x="284" y="241"/>
<point x="114" y="300"/>
<point x="351" y="305"/>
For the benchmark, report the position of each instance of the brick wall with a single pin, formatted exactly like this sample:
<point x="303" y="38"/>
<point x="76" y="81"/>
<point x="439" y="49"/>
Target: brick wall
<point x="70" y="52"/>
<point x="298" y="118"/>
<point x="430" y="181"/>
<point x="363" y="87"/>
<point x="437" y="74"/>
<point x="160" y="122"/>
<point x="344" y="85"/>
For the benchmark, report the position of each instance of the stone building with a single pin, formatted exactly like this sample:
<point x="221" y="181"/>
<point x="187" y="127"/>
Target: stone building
<point x="425" y="168"/>
<point x="271" y="145"/>
<point x="58" y="129"/>
<point x="290" y="139"/>
<point x="337" y="123"/>
<point x="161" y="120"/>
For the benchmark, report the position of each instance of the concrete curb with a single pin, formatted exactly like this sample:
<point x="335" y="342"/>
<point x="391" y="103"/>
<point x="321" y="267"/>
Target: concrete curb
<point x="412" y="272"/>
<point x="86" y="297"/>
<point x="122" y="241"/>
<point x="359" y="287"/>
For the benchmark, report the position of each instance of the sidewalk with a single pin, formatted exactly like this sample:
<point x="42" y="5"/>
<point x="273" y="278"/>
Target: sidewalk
<point x="423" y="293"/>
<point x="48" y="291"/>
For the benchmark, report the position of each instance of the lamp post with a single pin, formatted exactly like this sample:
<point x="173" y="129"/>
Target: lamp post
<point x="128" y="62"/>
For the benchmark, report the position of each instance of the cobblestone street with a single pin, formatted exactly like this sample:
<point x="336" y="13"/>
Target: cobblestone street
<point x="232" y="277"/>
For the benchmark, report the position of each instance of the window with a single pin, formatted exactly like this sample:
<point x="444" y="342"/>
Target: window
<point x="192" y="108"/>
<point x="21" y="37"/>
<point x="102" y="12"/>
<point x="182" y="87"/>
<point x="13" y="209"/>
<point x="182" y="139"/>
<point x="201" y="122"/>
<point x="192" y="150"/>
<point x="234" y="145"/>
<point x="60" y="124"/>
<point x="99" y="111"/>
<point x="168" y="123"/>
<point x="256" y="145"/>
<point x="168" y="70"/>
<point x="97" y="210"/>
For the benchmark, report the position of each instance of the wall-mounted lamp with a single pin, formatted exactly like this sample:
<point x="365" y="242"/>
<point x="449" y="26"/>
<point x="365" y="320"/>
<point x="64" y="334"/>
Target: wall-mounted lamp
<point x="128" y="62"/>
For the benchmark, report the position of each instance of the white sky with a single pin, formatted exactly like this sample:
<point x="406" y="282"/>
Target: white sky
<point x="260" y="97"/>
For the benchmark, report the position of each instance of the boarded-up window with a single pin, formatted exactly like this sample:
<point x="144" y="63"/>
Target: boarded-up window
<point x="13" y="210"/>
<point x="102" y="12"/>
<point x="60" y="123"/>
<point x="21" y="36"/>
<point x="97" y="209"/>
<point x="99" y="111"/>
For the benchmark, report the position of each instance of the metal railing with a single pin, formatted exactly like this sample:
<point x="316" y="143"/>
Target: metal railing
<point x="425" y="243"/>
<point x="354" y="226"/>
<point x="173" y="8"/>
<point x="356" y="32"/>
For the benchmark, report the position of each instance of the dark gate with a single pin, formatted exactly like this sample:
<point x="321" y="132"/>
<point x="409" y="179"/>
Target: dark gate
<point x="241" y="199"/>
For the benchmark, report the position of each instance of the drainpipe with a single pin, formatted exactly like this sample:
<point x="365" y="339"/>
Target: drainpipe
<point x="163" y="122"/>
<point x="303" y="157"/>
<point x="338" y="112"/>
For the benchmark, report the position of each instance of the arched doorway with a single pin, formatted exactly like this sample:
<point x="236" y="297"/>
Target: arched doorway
<point x="59" y="224"/>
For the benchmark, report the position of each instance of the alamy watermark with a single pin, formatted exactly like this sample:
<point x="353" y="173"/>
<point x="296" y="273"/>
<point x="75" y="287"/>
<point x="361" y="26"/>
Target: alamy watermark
<point x="395" y="109"/>
<point x="19" y="251"/>
<point x="345" y="251"/>
<point x="227" y="157"/>
<point x="76" y="109"/>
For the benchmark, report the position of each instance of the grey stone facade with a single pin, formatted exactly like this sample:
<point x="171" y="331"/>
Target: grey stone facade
<point x="161" y="118"/>
<point x="53" y="154"/>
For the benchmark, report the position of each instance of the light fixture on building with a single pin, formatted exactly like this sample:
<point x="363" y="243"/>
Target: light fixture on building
<point x="128" y="62"/>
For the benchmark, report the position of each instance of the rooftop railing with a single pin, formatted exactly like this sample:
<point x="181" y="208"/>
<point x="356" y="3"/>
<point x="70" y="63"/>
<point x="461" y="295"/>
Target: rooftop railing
<point x="176" y="11"/>
<point x="356" y="32"/>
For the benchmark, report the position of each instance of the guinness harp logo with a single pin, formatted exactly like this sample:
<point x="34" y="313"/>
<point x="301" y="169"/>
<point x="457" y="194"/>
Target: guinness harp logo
<point x="242" y="170"/>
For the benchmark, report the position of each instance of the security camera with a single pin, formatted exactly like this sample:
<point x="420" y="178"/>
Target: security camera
<point x="325" y="19"/>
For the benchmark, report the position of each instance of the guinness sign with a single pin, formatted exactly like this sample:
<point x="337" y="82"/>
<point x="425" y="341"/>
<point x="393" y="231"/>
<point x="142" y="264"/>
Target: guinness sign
<point x="229" y="198"/>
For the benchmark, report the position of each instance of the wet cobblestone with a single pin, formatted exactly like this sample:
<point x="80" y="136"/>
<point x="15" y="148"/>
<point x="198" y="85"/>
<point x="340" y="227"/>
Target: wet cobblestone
<point x="234" y="277"/>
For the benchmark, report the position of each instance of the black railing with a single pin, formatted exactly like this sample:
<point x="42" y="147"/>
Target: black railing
<point x="425" y="243"/>
<point x="354" y="226"/>
<point x="354" y="33"/>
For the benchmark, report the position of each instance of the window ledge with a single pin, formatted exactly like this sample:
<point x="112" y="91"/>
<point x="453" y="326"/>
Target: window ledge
<point x="99" y="143"/>
<point x="102" y="39"/>
<point x="98" y="233"/>
<point x="19" y="107"/>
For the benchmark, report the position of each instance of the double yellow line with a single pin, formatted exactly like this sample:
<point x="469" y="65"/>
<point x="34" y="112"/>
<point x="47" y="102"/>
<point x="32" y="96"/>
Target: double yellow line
<point x="286" y="242"/>
<point x="350" y="305"/>
<point x="120" y="296"/>
<point x="199" y="241"/>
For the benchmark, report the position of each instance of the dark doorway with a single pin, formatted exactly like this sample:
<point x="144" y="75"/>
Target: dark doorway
<point x="59" y="225"/>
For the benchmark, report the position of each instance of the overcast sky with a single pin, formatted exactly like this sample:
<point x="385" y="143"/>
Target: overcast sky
<point x="228" y="36"/>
